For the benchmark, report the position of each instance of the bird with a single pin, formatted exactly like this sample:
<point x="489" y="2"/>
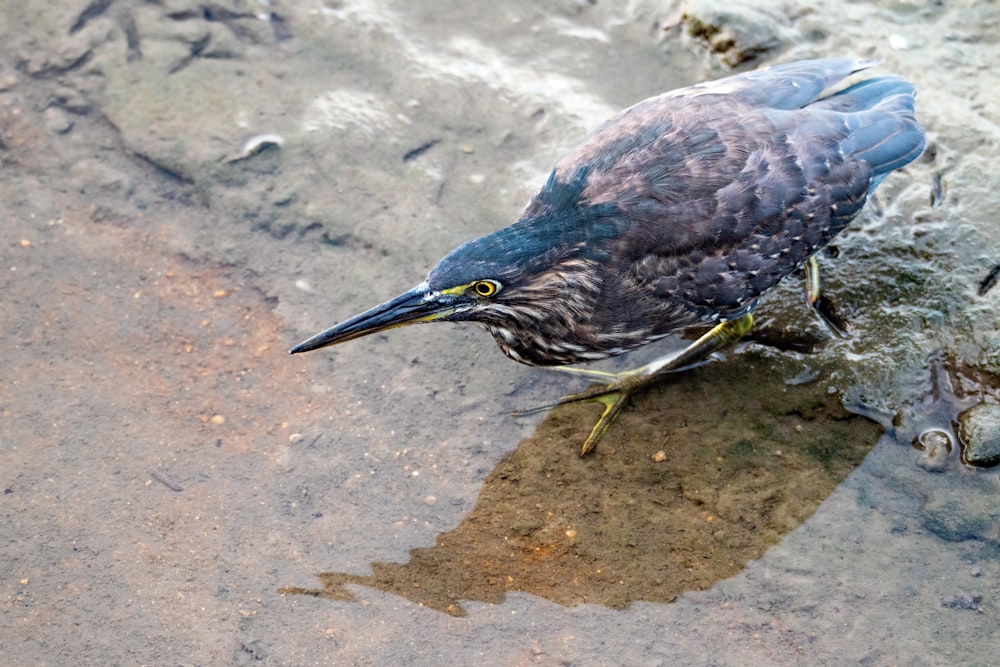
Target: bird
<point x="675" y="214"/>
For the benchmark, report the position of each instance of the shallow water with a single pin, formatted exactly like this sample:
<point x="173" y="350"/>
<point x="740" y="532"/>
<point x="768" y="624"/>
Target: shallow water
<point x="171" y="477"/>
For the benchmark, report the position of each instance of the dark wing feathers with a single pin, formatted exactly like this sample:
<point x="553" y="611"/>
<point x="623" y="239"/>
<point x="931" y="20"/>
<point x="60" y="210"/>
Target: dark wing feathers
<point x="727" y="187"/>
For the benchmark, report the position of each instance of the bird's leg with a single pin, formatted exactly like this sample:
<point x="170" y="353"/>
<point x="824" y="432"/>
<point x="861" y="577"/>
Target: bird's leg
<point x="620" y="386"/>
<point x="812" y="281"/>
<point x="814" y="299"/>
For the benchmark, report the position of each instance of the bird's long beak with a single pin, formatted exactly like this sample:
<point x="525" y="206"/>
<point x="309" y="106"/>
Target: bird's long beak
<point x="410" y="307"/>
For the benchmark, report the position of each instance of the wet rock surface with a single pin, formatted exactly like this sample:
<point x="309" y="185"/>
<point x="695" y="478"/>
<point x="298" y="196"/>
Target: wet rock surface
<point x="979" y="428"/>
<point x="159" y="258"/>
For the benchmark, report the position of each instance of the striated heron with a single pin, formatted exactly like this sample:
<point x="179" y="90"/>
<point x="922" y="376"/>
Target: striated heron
<point x="676" y="213"/>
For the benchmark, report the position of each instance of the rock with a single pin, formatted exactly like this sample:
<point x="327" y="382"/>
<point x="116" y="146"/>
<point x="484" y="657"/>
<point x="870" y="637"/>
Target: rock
<point x="979" y="431"/>
<point x="7" y="81"/>
<point x="739" y="33"/>
<point x="57" y="121"/>
<point x="970" y="601"/>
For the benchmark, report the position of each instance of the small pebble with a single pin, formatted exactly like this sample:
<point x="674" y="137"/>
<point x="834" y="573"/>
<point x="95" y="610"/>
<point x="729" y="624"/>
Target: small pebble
<point x="659" y="456"/>
<point x="163" y="479"/>
<point x="968" y="601"/>
<point x="217" y="419"/>
<point x="430" y="500"/>
<point x="57" y="121"/>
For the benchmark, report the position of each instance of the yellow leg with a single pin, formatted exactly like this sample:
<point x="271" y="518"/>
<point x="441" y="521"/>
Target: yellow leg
<point x="620" y="386"/>
<point x="812" y="281"/>
<point x="813" y="297"/>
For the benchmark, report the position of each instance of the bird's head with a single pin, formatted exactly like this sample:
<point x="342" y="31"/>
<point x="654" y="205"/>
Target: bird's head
<point x="488" y="281"/>
<point x="527" y="283"/>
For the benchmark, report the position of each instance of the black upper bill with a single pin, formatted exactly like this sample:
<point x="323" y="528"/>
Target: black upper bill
<point x="407" y="308"/>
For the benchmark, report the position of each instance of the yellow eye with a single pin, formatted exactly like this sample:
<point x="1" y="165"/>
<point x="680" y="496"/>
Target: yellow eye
<point x="485" y="288"/>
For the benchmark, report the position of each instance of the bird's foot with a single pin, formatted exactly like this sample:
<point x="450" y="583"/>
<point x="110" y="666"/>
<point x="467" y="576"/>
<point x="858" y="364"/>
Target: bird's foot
<point x="616" y="388"/>
<point x="613" y="394"/>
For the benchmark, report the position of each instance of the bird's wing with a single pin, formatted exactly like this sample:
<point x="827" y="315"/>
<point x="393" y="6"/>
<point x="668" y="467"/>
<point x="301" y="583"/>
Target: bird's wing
<point x="728" y="187"/>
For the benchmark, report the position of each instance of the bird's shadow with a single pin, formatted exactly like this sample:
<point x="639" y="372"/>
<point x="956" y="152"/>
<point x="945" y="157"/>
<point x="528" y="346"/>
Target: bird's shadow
<point x="702" y="475"/>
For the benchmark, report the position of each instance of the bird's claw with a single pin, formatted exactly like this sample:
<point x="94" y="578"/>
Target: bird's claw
<point x="612" y="396"/>
<point x="613" y="401"/>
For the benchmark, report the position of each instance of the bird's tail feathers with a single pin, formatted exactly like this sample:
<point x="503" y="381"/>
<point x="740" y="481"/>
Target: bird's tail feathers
<point x="870" y="94"/>
<point x="884" y="131"/>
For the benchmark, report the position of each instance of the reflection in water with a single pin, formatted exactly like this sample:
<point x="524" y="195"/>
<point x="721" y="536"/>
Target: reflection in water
<point x="710" y="470"/>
